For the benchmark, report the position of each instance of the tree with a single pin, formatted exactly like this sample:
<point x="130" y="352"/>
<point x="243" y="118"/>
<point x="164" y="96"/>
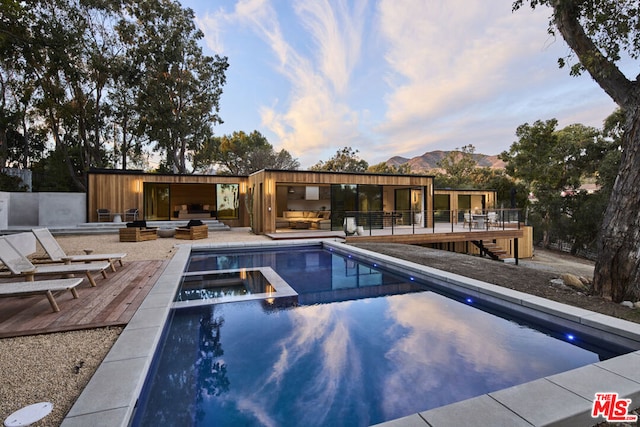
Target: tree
<point x="242" y="154"/>
<point x="600" y="33"/>
<point x="458" y="166"/>
<point x="384" y="167"/>
<point x="345" y="160"/>
<point x="180" y="90"/>
<point x="552" y="163"/>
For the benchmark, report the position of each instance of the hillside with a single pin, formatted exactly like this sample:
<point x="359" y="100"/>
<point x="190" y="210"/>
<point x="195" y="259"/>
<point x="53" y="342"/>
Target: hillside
<point x="429" y="161"/>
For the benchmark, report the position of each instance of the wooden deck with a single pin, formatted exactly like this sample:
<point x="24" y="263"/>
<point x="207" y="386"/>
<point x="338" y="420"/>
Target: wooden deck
<point x="438" y="237"/>
<point x="409" y="235"/>
<point x="112" y="303"/>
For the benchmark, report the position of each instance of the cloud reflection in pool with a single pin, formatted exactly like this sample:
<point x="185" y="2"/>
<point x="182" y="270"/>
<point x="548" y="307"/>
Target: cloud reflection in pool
<point x="351" y="363"/>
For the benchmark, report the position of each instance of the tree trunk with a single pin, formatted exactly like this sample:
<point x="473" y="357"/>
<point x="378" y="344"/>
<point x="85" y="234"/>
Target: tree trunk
<point x="617" y="270"/>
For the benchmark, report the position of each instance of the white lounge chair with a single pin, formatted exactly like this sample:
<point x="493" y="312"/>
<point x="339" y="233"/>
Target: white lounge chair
<point x="57" y="254"/>
<point x="46" y="287"/>
<point x="20" y="266"/>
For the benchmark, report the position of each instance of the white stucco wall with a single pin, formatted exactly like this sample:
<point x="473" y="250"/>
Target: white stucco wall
<point x="43" y="209"/>
<point x="4" y="210"/>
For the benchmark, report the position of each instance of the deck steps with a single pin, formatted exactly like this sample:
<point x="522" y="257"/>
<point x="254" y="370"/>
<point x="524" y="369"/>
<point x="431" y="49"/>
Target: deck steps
<point x="491" y="249"/>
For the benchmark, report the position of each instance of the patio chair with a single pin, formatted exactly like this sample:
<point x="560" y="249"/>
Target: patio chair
<point x="40" y="287"/>
<point x="57" y="254"/>
<point x="469" y="221"/>
<point x="137" y="231"/>
<point x="194" y="230"/>
<point x="131" y="214"/>
<point x="104" y="215"/>
<point x="20" y="266"/>
<point x="492" y="220"/>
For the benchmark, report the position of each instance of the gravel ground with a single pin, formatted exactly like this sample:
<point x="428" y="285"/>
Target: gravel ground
<point x="56" y="367"/>
<point x="53" y="368"/>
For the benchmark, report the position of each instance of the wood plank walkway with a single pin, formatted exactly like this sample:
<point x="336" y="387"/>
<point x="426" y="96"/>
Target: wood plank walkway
<point x="111" y="303"/>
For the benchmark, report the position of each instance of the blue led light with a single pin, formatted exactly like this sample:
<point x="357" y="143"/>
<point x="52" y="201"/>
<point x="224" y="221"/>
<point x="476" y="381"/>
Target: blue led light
<point x="469" y="300"/>
<point x="412" y="279"/>
<point x="570" y="337"/>
<point x="375" y="265"/>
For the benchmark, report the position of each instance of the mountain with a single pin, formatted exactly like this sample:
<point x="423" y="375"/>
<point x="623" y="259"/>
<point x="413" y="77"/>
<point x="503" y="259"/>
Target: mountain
<point x="429" y="161"/>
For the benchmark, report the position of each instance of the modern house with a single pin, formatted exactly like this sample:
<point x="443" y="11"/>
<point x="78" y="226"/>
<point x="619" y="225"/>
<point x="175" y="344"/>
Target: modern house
<point x="270" y="201"/>
<point x="261" y="200"/>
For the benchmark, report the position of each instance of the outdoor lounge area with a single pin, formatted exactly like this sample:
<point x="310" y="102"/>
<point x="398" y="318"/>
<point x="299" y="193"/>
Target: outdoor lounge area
<point x="317" y="220"/>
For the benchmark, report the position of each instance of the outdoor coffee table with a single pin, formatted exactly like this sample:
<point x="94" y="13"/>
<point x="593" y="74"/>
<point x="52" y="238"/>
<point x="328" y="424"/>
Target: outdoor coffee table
<point x="300" y="225"/>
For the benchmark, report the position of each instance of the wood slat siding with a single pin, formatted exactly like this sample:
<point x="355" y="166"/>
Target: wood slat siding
<point x="112" y="303"/>
<point x="264" y="185"/>
<point x="121" y="191"/>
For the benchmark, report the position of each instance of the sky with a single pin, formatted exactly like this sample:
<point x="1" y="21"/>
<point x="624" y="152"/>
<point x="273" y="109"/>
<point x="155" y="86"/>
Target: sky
<point x="390" y="77"/>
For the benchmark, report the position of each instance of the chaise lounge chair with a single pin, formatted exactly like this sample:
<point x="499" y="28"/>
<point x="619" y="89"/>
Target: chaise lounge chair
<point x="57" y="254"/>
<point x="20" y="266"/>
<point x="46" y="287"/>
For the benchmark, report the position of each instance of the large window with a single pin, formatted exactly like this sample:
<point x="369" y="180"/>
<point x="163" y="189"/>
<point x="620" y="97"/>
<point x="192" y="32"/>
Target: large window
<point x="370" y="206"/>
<point x="156" y="201"/>
<point x="442" y="206"/>
<point x="366" y="200"/>
<point x="228" y="201"/>
<point x="343" y="199"/>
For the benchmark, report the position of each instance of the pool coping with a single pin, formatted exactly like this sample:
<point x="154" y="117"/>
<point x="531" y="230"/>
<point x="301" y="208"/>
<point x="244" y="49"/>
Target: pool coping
<point x="110" y="397"/>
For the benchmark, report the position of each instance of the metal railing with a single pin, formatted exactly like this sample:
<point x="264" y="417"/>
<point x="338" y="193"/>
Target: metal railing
<point x="367" y="222"/>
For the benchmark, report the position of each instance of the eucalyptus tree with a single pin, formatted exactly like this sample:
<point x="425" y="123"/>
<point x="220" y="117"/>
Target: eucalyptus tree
<point x="20" y="138"/>
<point x="242" y="154"/>
<point x="601" y="35"/>
<point x="180" y="87"/>
<point x="345" y="160"/>
<point x="58" y="52"/>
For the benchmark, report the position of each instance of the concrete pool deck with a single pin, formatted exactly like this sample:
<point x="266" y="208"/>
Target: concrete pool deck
<point x="562" y="399"/>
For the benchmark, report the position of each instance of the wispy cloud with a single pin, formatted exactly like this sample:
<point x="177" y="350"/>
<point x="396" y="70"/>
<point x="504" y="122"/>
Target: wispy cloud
<point x="314" y="113"/>
<point x="436" y="74"/>
<point x="395" y="77"/>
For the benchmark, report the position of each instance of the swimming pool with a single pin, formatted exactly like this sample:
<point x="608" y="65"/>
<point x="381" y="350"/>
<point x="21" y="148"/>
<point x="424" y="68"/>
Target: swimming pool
<point x="112" y="395"/>
<point x="361" y="345"/>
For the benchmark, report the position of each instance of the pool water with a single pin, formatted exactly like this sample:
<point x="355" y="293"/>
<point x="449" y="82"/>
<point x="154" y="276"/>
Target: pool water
<point x="351" y="362"/>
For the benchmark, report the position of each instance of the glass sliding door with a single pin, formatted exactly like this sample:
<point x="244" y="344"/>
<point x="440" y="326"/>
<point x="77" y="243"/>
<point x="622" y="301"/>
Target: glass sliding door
<point x="403" y="205"/>
<point x="156" y="201"/>
<point x="228" y="201"/>
<point x="343" y="199"/>
<point x="442" y="207"/>
<point x="464" y="205"/>
<point x="370" y="206"/>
